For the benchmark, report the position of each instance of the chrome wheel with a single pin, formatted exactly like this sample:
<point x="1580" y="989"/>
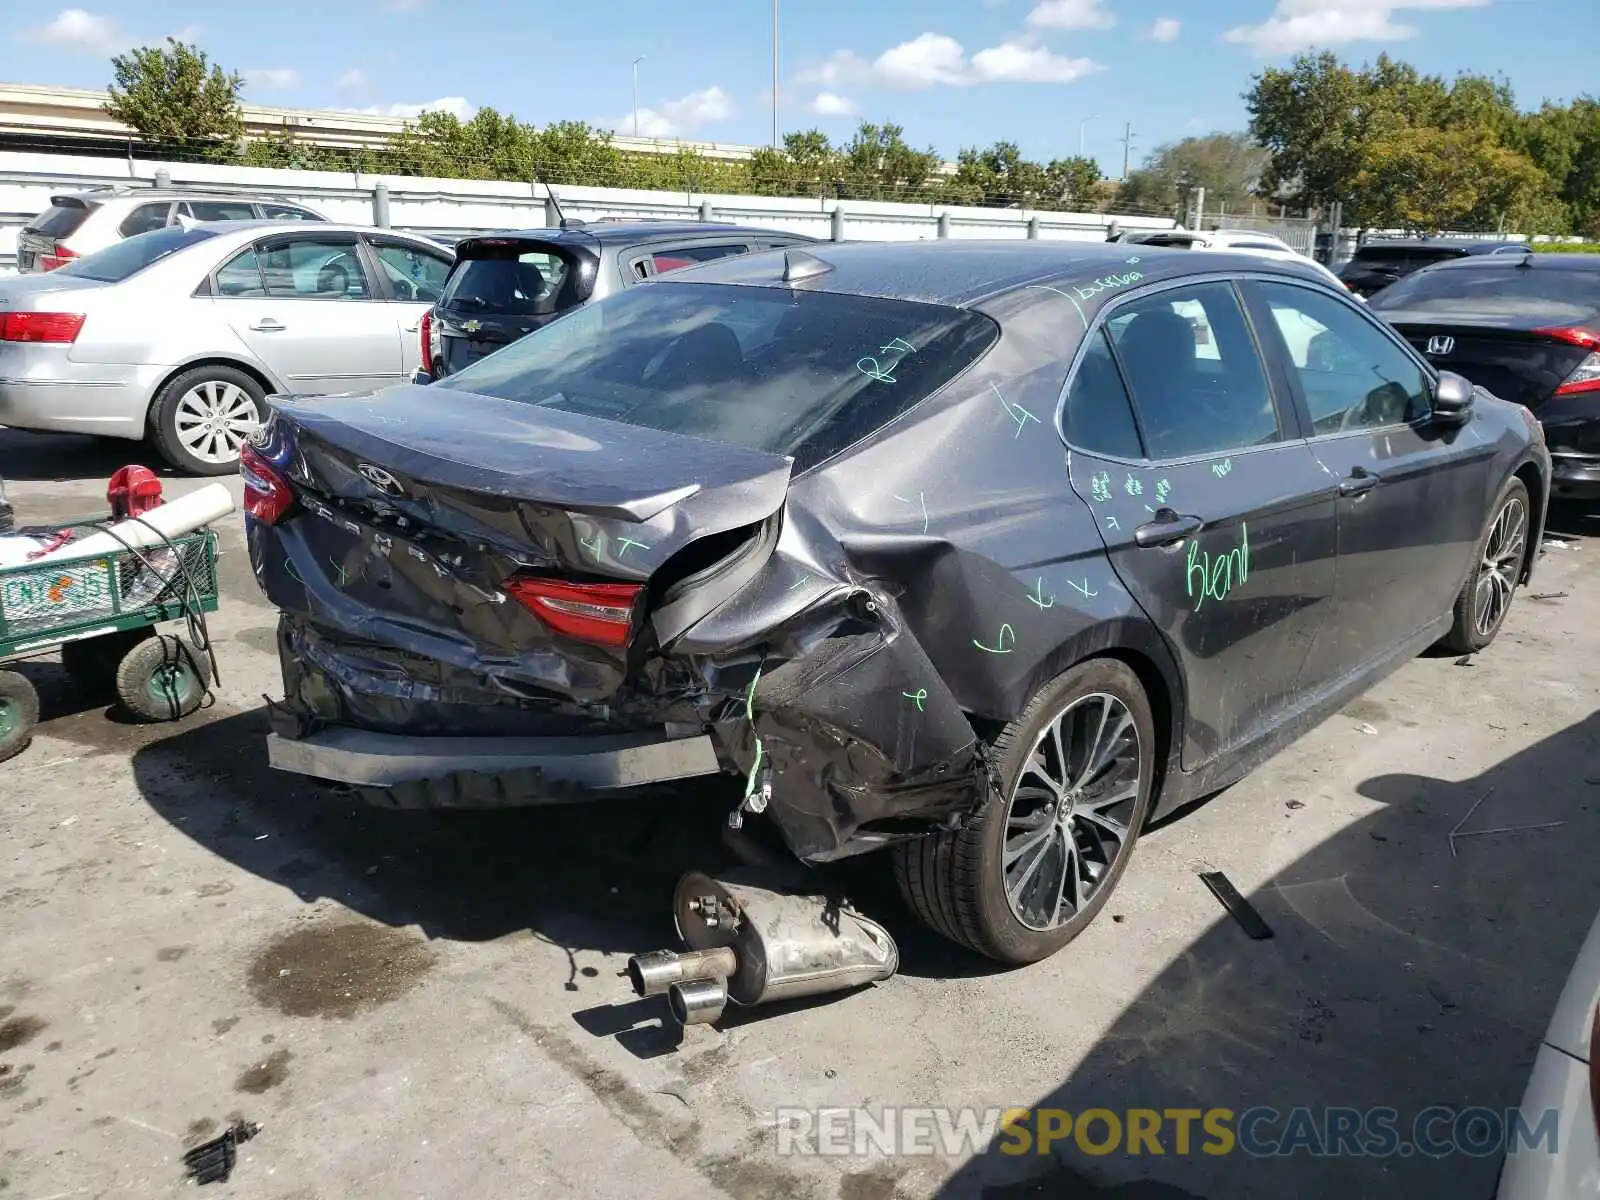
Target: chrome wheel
<point x="1503" y="551"/>
<point x="1069" y="817"/>
<point x="212" y="420"/>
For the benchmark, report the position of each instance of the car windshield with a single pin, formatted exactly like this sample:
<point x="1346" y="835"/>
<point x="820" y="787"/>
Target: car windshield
<point x="123" y="259"/>
<point x="60" y="219"/>
<point x="502" y="281"/>
<point x="790" y="372"/>
<point x="1503" y="285"/>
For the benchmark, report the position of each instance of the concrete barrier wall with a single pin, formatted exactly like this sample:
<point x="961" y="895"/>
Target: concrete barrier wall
<point x="463" y="206"/>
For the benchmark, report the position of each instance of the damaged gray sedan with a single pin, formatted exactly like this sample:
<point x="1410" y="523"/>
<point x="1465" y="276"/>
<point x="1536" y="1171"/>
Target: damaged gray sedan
<point x="982" y="553"/>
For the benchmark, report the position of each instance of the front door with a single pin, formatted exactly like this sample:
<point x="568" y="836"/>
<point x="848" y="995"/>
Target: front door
<point x="1211" y="507"/>
<point x="1410" y="491"/>
<point x="304" y="305"/>
<point x="412" y="280"/>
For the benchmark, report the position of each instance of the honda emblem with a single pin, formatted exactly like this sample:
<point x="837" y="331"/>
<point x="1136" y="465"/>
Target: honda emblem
<point x="1441" y="345"/>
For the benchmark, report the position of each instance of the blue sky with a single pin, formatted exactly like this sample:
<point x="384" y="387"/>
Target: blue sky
<point x="953" y="72"/>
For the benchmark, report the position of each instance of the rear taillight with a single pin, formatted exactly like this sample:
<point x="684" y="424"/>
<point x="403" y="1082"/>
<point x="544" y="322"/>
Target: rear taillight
<point x="1585" y="377"/>
<point x="61" y="257"/>
<point x="267" y="495"/>
<point x="40" y="327"/>
<point x="1573" y="335"/>
<point x="601" y="613"/>
<point x="428" y="335"/>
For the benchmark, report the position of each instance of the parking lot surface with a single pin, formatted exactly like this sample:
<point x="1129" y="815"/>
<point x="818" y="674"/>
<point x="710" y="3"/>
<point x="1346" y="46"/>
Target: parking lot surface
<point x="433" y="1005"/>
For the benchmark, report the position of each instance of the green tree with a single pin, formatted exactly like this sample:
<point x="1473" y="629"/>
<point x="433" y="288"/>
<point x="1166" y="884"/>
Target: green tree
<point x="1073" y="181"/>
<point x="1227" y="165"/>
<point x="176" y="98"/>
<point x="878" y="164"/>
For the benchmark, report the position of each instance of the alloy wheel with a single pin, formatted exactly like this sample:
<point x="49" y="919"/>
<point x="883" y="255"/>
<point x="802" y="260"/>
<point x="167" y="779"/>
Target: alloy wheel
<point x="1502" y="563"/>
<point x="213" y="418"/>
<point x="1069" y="815"/>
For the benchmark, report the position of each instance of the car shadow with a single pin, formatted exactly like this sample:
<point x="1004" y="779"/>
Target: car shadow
<point x="1572" y="519"/>
<point x="1408" y="968"/>
<point x="68" y="457"/>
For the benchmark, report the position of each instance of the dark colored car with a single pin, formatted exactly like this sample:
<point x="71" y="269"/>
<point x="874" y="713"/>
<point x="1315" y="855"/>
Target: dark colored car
<point x="986" y="552"/>
<point x="509" y="283"/>
<point x="1376" y="265"/>
<point x="1528" y="329"/>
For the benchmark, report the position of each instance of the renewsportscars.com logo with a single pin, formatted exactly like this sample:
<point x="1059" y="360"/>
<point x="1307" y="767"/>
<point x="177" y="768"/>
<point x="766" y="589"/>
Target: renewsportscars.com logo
<point x="1260" y="1132"/>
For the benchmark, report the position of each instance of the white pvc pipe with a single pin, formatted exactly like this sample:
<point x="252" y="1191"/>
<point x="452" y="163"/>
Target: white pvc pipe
<point x="174" y="519"/>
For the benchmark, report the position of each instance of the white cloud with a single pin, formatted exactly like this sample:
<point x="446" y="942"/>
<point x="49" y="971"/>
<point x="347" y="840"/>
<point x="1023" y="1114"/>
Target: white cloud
<point x="1071" y="14"/>
<point x="1020" y="62"/>
<point x="830" y="104"/>
<point x="352" y="80"/>
<point x="456" y="106"/>
<point x="675" y="118"/>
<point x="934" y="60"/>
<point x="272" y="77"/>
<point x="81" y="32"/>
<point x="1303" y="24"/>
<point x="1166" y="29"/>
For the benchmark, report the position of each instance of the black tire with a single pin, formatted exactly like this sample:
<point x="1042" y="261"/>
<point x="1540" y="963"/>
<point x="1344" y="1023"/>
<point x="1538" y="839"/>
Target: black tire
<point x="162" y="679"/>
<point x="19" y="714"/>
<point x="93" y="662"/>
<point x="1471" y="631"/>
<point x="169" y="410"/>
<point x="956" y="881"/>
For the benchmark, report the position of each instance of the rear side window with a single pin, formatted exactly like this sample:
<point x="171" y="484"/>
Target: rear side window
<point x="507" y="282"/>
<point x="797" y="373"/>
<point x="132" y="255"/>
<point x="1099" y="416"/>
<point x="1191" y="363"/>
<point x="219" y="210"/>
<point x="285" y="212"/>
<point x="145" y="218"/>
<point x="60" y="220"/>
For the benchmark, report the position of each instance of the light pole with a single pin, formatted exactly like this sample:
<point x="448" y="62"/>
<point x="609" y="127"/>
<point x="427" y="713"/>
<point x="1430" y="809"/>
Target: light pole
<point x="636" y="63"/>
<point x="774" y="74"/>
<point x="1081" y="124"/>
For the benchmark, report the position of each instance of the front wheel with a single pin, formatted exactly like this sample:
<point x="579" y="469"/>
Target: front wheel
<point x="1502" y="549"/>
<point x="1038" y="860"/>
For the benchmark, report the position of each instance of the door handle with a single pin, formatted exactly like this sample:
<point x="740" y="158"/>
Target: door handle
<point x="1167" y="528"/>
<point x="268" y="325"/>
<point x="1359" y="481"/>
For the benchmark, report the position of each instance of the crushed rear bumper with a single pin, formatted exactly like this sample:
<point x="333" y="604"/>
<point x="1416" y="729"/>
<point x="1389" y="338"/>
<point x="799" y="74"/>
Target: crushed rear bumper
<point x="488" y="772"/>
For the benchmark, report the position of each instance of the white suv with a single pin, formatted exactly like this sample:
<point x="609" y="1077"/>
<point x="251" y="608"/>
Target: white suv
<point x="1234" y="241"/>
<point x="81" y="223"/>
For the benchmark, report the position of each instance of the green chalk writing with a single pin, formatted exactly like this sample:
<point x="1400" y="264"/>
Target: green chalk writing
<point x="1082" y="589"/>
<point x="1209" y="577"/>
<point x="1132" y="486"/>
<point x="1015" y="411"/>
<point x="1037" y="595"/>
<point x="1105" y="284"/>
<point x="625" y="543"/>
<point x="1163" y="490"/>
<point x="922" y="500"/>
<point x="1222" y="468"/>
<point x="917" y="697"/>
<point x="1112" y="522"/>
<point x="1005" y="643"/>
<point x="898" y="346"/>
<point x="339" y="567"/>
<point x="870" y="367"/>
<point x="1100" y="487"/>
<point x="596" y="545"/>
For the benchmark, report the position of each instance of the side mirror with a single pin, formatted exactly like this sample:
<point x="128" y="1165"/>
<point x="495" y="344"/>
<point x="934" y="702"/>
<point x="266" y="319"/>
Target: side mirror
<point x="1452" y="398"/>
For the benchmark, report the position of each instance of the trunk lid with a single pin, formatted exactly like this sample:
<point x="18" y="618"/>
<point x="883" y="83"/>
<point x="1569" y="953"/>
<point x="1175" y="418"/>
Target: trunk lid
<point x="1512" y="359"/>
<point x="415" y="515"/>
<point x="503" y="287"/>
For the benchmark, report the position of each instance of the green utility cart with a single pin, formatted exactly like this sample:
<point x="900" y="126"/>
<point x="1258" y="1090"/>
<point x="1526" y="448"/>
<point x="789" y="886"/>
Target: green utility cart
<point x="101" y="613"/>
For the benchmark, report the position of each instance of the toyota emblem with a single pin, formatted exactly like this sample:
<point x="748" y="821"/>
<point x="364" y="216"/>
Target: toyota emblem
<point x="1441" y="345"/>
<point x="380" y="479"/>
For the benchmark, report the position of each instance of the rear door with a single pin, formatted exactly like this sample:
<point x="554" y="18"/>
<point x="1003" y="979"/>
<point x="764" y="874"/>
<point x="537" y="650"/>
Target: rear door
<point x="411" y="279"/>
<point x="1410" y="491"/>
<point x="502" y="288"/>
<point x="1213" y="512"/>
<point x="304" y="304"/>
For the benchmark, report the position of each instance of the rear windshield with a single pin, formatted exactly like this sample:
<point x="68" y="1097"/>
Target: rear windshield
<point x="59" y="220"/>
<point x="1497" y="284"/>
<point x="507" y="282"/>
<point x="798" y="373"/>
<point x="123" y="259"/>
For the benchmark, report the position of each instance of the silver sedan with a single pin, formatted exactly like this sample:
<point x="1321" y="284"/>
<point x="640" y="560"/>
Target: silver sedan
<point x="176" y="336"/>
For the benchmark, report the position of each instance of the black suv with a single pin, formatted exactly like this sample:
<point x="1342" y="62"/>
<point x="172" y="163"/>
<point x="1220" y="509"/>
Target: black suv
<point x="508" y="284"/>
<point x="1378" y="264"/>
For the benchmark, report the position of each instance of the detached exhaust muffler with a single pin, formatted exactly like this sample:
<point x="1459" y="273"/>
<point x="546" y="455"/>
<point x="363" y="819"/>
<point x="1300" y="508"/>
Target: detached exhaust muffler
<point x="757" y="946"/>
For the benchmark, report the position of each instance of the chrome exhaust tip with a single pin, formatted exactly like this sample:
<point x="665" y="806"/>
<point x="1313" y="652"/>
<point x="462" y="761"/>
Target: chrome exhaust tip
<point x="697" y="1001"/>
<point x="653" y="973"/>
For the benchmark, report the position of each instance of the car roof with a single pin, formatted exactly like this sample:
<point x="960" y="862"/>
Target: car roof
<point x="962" y="273"/>
<point x="1460" y="247"/>
<point x="611" y="233"/>
<point x="245" y="231"/>
<point x="1527" y="262"/>
<point x="102" y="195"/>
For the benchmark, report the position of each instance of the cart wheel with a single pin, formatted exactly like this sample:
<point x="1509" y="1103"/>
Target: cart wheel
<point x="19" y="713"/>
<point x="162" y="679"/>
<point x="93" y="662"/>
